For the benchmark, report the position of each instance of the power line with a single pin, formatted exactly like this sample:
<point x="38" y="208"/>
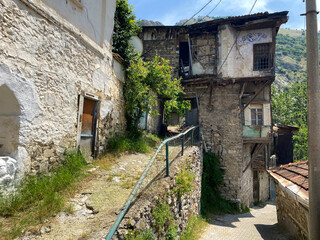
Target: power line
<point x="214" y="8"/>
<point x="235" y="41"/>
<point x="197" y="12"/>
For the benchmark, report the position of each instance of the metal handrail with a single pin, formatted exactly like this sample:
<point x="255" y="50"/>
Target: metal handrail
<point x="144" y="174"/>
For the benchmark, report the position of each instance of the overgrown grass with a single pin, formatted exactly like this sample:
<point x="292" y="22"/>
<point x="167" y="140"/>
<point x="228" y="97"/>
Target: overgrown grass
<point x="195" y="227"/>
<point x="212" y="178"/>
<point x="39" y="197"/>
<point x="126" y="143"/>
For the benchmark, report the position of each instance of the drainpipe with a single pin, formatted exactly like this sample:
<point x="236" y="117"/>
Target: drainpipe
<point x="313" y="119"/>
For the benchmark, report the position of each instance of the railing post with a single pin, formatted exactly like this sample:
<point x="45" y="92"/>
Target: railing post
<point x="182" y="145"/>
<point x="167" y="159"/>
<point x="192" y="138"/>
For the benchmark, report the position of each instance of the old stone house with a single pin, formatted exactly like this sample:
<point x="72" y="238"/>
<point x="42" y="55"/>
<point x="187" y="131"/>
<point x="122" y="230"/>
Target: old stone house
<point x="60" y="84"/>
<point x="227" y="68"/>
<point x="292" y="198"/>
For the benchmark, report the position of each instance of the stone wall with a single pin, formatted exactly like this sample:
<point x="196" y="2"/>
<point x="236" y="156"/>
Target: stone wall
<point x="162" y="189"/>
<point x="46" y="66"/>
<point x="292" y="215"/>
<point x="222" y="130"/>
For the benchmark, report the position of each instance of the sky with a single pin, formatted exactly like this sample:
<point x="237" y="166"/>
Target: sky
<point x="171" y="11"/>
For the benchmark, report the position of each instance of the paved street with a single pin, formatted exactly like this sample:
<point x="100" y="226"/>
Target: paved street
<point x="259" y="223"/>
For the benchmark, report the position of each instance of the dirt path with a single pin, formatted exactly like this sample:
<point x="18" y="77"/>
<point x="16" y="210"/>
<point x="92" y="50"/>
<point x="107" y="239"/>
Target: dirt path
<point x="97" y="203"/>
<point x="259" y="223"/>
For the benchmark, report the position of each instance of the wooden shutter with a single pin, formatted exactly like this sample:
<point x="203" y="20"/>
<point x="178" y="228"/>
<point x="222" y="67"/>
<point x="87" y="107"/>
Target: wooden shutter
<point x="266" y="114"/>
<point x="247" y="116"/>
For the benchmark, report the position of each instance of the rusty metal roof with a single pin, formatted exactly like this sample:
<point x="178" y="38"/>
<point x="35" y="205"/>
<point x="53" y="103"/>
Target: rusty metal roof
<point x="294" y="177"/>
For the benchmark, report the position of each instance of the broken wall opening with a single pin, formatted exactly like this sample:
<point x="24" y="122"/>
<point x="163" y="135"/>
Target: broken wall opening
<point x="9" y="122"/>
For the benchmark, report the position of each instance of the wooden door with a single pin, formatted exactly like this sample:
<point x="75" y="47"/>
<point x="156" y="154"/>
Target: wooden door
<point x="87" y="121"/>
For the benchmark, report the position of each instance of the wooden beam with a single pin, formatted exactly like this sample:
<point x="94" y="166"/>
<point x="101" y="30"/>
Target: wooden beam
<point x="264" y="85"/>
<point x="255" y="154"/>
<point x="242" y="90"/>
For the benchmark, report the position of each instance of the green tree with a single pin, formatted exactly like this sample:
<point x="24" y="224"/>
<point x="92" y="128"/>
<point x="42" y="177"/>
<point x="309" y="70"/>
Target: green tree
<point x="125" y="26"/>
<point x="289" y="106"/>
<point x="145" y="82"/>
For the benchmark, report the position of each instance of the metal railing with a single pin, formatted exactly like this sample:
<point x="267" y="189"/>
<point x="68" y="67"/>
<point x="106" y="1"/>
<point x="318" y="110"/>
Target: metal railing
<point x="190" y="135"/>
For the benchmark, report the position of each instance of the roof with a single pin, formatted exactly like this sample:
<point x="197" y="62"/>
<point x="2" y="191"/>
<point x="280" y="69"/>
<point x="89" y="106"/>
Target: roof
<point x="282" y="16"/>
<point x="293" y="177"/>
<point x="285" y="127"/>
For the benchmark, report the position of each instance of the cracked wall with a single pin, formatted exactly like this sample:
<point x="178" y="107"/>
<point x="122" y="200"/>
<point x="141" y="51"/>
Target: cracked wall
<point x="47" y="66"/>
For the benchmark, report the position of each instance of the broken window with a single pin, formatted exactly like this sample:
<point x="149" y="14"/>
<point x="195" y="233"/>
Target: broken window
<point x="262" y="57"/>
<point x="184" y="59"/>
<point x="256" y="116"/>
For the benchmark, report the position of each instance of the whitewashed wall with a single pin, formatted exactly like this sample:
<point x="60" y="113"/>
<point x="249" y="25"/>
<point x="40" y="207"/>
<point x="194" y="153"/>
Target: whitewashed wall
<point x="239" y="63"/>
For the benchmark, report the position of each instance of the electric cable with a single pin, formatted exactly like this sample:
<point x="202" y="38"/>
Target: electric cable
<point x="197" y="12"/>
<point x="214" y="8"/>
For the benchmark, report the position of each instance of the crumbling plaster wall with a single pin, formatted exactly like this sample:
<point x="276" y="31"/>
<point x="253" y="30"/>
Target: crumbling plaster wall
<point x="47" y="66"/>
<point x="222" y="130"/>
<point x="239" y="63"/>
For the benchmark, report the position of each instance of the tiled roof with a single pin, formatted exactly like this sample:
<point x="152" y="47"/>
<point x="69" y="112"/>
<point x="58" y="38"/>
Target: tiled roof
<point x="293" y="177"/>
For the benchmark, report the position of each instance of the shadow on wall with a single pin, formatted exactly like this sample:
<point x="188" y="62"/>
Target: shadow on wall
<point x="9" y="122"/>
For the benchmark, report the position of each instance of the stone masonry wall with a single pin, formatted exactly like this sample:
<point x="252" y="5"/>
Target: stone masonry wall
<point x="162" y="189"/>
<point x="222" y="130"/>
<point x="292" y="215"/>
<point x="46" y="67"/>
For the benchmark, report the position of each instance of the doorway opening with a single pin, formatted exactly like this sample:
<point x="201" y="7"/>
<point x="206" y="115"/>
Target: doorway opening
<point x="9" y="122"/>
<point x="87" y="124"/>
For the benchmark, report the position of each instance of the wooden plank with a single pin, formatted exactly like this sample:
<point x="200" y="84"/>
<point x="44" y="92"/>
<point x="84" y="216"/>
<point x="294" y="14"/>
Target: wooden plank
<point x="264" y="85"/>
<point x="79" y="122"/>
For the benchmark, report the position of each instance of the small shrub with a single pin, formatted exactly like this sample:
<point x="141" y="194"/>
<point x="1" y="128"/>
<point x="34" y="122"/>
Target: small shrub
<point x="162" y="216"/>
<point x="194" y="228"/>
<point x="244" y="209"/>
<point x="123" y="143"/>
<point x="171" y="233"/>
<point x="184" y="182"/>
<point x="139" y="235"/>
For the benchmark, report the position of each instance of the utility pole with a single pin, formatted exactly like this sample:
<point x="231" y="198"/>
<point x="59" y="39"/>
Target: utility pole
<point x="313" y="119"/>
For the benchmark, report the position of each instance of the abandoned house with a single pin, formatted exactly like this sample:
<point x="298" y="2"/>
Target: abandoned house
<point x="292" y="198"/>
<point x="227" y="68"/>
<point x="60" y="85"/>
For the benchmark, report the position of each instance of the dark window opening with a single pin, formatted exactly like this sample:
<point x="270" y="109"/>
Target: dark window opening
<point x="262" y="59"/>
<point x="184" y="59"/>
<point x="256" y="116"/>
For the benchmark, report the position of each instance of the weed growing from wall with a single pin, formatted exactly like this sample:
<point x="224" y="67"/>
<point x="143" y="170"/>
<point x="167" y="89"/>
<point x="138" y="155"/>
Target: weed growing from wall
<point x="212" y="178"/>
<point x="184" y="182"/>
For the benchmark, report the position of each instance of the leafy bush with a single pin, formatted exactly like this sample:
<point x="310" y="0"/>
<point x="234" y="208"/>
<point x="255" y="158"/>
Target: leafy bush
<point x="194" y="228"/>
<point x="163" y="217"/>
<point x="139" y="235"/>
<point x="184" y="181"/>
<point x="143" y="143"/>
<point x="212" y="178"/>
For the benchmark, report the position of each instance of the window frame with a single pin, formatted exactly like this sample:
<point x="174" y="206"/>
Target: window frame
<point x="259" y="58"/>
<point x="257" y="118"/>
